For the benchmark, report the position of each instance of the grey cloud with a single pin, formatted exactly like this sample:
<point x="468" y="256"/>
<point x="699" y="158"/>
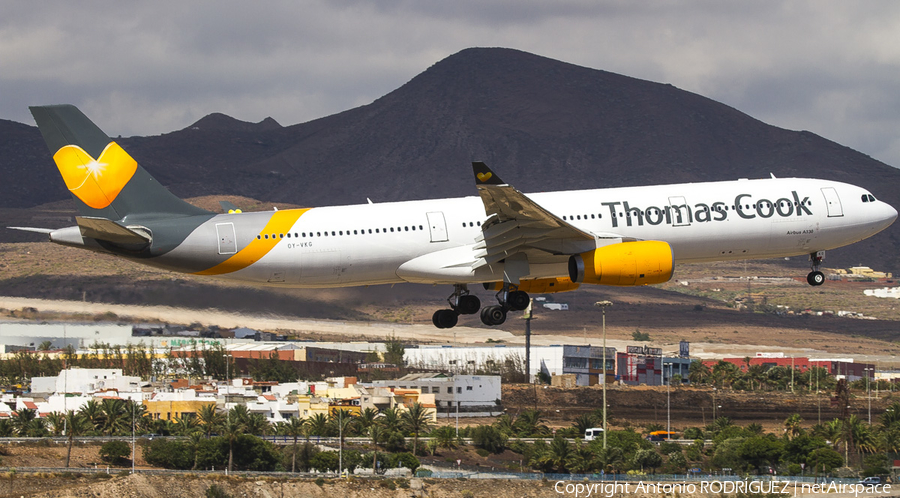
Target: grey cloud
<point x="827" y="66"/>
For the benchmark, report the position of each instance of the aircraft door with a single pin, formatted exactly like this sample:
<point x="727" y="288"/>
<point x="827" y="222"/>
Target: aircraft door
<point x="225" y="233"/>
<point x="680" y="211"/>
<point x="832" y="202"/>
<point x="437" y="226"/>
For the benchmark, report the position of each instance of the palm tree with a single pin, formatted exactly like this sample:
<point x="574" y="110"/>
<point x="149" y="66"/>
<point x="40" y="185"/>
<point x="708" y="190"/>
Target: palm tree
<point x="25" y="422"/>
<point x="136" y="416"/>
<point x="342" y="422"/>
<point x="863" y="439"/>
<point x="163" y="427"/>
<point x="209" y="418"/>
<point x="611" y="458"/>
<point x="415" y="420"/>
<point x="446" y="437"/>
<point x="256" y="424"/>
<point x="366" y="418"/>
<point x="584" y="422"/>
<point x="505" y="424"/>
<point x="756" y="373"/>
<point x="240" y="412"/>
<point x="186" y="425"/>
<point x="390" y="419"/>
<point x="891" y="416"/>
<point x="376" y="432"/>
<point x="231" y="430"/>
<point x="56" y="422"/>
<point x="76" y="425"/>
<point x="293" y="427"/>
<point x="114" y="412"/>
<point x="93" y="412"/>
<point x="581" y="459"/>
<point x="792" y="426"/>
<point x="318" y="425"/>
<point x="698" y="373"/>
<point x="530" y="424"/>
<point x="559" y="453"/>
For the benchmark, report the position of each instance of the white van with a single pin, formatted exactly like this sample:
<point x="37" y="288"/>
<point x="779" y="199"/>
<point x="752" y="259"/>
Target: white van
<point x="593" y="432"/>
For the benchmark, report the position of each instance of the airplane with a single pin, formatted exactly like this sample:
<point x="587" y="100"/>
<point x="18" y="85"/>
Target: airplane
<point x="511" y="242"/>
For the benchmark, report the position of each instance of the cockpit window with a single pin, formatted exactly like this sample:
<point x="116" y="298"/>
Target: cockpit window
<point x="868" y="198"/>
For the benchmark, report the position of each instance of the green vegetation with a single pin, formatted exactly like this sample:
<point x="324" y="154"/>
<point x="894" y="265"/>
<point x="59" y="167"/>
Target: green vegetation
<point x="115" y="452"/>
<point x="637" y="335"/>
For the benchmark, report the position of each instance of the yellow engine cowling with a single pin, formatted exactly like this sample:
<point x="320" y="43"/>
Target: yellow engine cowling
<point x="539" y="285"/>
<point x="625" y="264"/>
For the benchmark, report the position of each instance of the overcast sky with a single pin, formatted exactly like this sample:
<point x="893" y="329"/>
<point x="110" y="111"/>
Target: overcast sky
<point x="145" y="68"/>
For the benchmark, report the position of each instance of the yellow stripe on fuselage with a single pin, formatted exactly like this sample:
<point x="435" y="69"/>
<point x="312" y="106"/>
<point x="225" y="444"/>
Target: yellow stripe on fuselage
<point x="280" y="223"/>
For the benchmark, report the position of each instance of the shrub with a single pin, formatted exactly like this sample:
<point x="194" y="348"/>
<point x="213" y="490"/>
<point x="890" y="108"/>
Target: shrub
<point x="407" y="460"/>
<point x="216" y="491"/>
<point x="489" y="438"/>
<point x="115" y="452"/>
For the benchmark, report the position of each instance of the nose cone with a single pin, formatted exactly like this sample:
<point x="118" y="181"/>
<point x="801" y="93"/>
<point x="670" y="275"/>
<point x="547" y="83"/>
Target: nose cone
<point x="890" y="214"/>
<point x="886" y="216"/>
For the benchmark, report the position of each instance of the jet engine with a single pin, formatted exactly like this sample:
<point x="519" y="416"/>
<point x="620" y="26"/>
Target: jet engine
<point x="624" y="264"/>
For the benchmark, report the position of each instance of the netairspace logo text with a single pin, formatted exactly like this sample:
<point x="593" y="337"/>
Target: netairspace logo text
<point x="787" y="488"/>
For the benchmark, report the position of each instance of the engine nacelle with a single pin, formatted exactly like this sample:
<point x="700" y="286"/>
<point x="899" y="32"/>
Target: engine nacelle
<point x="539" y="285"/>
<point x="625" y="264"/>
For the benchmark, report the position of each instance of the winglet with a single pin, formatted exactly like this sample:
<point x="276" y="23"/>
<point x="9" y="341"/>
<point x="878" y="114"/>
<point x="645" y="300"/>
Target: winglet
<point x="484" y="175"/>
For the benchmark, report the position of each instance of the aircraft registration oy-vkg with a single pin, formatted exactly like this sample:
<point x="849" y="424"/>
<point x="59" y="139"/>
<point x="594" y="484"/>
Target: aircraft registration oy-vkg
<point x="506" y="240"/>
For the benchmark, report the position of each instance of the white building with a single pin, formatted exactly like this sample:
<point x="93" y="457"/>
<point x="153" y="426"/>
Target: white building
<point x="86" y="380"/>
<point x="471" y="395"/>
<point x="469" y="358"/>
<point x="78" y="335"/>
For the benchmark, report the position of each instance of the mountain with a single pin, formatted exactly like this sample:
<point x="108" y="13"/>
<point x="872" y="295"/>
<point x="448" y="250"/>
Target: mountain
<point x="541" y="124"/>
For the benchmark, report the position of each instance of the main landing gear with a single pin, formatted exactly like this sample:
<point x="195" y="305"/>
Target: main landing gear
<point x="463" y="303"/>
<point x="816" y="277"/>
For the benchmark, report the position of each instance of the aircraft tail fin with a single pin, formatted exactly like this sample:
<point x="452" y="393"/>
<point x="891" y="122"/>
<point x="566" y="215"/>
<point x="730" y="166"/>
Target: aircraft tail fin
<point x="105" y="181"/>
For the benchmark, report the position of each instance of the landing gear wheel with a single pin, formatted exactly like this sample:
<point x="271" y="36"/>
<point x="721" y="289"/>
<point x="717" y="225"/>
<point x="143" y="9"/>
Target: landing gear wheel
<point x="493" y="315"/>
<point x="518" y="300"/>
<point x="445" y="319"/>
<point x="468" y="304"/>
<point x="815" y="278"/>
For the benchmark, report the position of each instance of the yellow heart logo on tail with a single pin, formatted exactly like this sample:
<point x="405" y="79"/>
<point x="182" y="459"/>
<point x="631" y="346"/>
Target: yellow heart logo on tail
<point x="97" y="182"/>
<point x="483" y="177"/>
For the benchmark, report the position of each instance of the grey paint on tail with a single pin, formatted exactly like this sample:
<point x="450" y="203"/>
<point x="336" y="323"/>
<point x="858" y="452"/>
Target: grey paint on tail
<point x="142" y="198"/>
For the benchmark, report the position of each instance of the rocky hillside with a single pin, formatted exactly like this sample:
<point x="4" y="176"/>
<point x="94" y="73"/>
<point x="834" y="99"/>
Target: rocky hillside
<point x="542" y="124"/>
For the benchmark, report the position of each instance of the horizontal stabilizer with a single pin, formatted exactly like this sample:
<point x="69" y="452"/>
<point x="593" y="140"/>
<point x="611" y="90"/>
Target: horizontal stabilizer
<point x="110" y="231"/>
<point x="33" y="229"/>
<point x="229" y="207"/>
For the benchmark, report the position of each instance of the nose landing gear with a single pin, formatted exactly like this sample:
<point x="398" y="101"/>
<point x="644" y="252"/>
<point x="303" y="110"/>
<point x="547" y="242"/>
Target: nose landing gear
<point x="816" y="277"/>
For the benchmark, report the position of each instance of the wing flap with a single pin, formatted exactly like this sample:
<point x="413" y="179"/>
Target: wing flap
<point x="516" y="224"/>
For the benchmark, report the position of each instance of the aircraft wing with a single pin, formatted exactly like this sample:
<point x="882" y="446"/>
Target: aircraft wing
<point x="517" y="225"/>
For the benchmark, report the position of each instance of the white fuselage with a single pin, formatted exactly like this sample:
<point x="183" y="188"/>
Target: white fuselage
<point x="432" y="241"/>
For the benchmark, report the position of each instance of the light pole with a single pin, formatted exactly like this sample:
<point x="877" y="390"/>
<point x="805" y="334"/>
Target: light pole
<point x="603" y="305"/>
<point x="133" y="409"/>
<point x="868" y="392"/>
<point x="669" y="404"/>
